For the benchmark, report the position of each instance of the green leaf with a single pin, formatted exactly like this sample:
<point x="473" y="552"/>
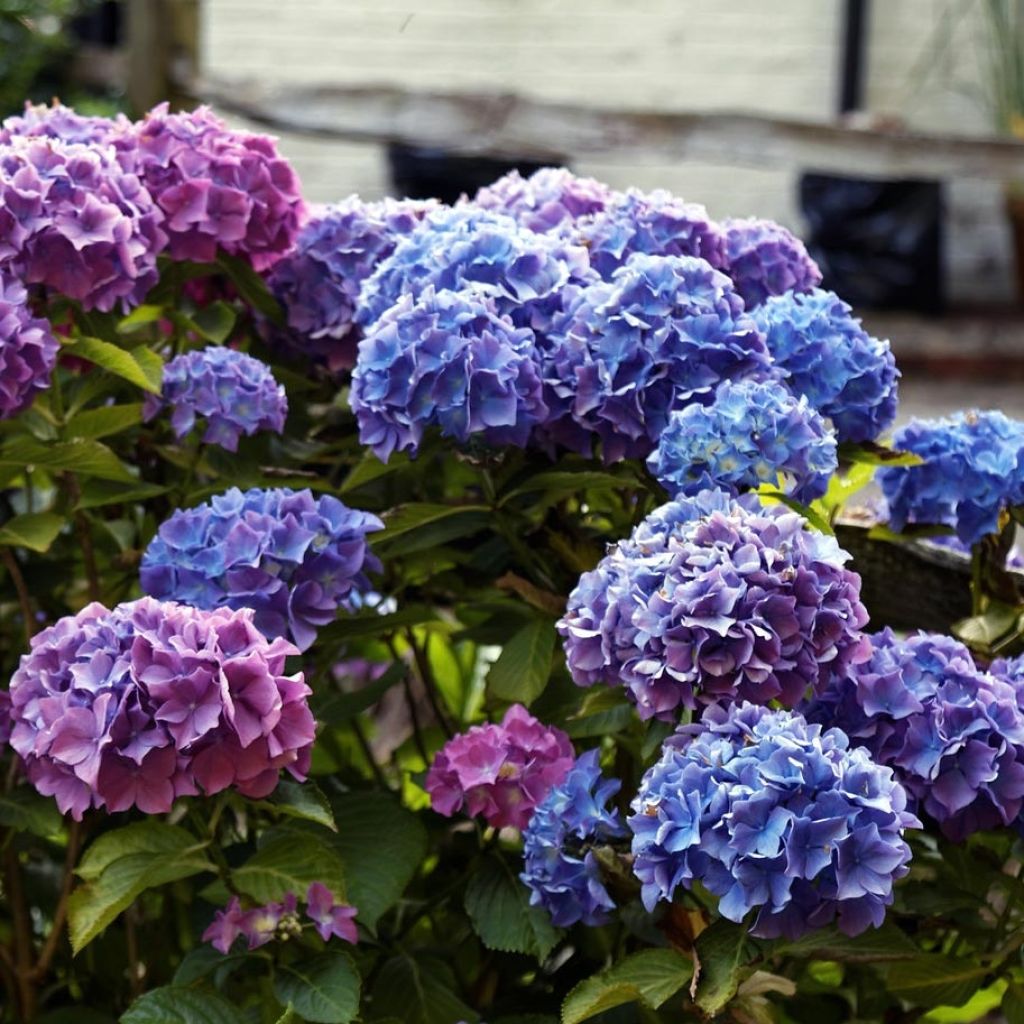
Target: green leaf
<point x="813" y="516"/>
<point x="252" y="288"/>
<point x="524" y="666"/>
<point x="290" y="861"/>
<point x="876" y="945"/>
<point x="650" y="977"/>
<point x="873" y="454"/>
<point x="420" y="525"/>
<point x="86" y="458"/>
<point x="174" y="1005"/>
<point x="24" y="810"/>
<point x="152" y="366"/>
<point x="303" y="800"/>
<point x="718" y="966"/>
<point x="604" y="711"/>
<point x="418" y="992"/>
<point x="105" y="420"/>
<point x="150" y="836"/>
<point x="204" y="960"/>
<point x="370" y="468"/>
<point x="984" y="631"/>
<point x="97" y="493"/>
<point x="140" y="317"/>
<point x="1013" y="1004"/>
<point x="499" y="907"/>
<point x="34" y="530"/>
<point x="115" y="360"/>
<point x="933" y="980"/>
<point x="978" y="1007"/>
<point x="566" y="482"/>
<point x="322" y="990"/>
<point x="373" y="624"/>
<point x="338" y="708"/>
<point x="215" y="322"/>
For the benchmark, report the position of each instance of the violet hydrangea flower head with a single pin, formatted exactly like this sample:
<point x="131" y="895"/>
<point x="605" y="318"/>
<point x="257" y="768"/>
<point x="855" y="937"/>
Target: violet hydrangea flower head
<point x="219" y="188"/>
<point x="318" y="281"/>
<point x="953" y="734"/>
<point x="662" y="334"/>
<point x="28" y="350"/>
<point x="292" y="558"/>
<point x="822" y="351"/>
<point x="753" y="433"/>
<point x="719" y="600"/>
<point x="57" y="121"/>
<point x="448" y="360"/>
<point x="233" y="392"/>
<point x="972" y="470"/>
<point x="329" y="917"/>
<point x="560" y="867"/>
<point x="772" y="815"/>
<point x="500" y="771"/>
<point x="135" y="706"/>
<point x="764" y="258"/>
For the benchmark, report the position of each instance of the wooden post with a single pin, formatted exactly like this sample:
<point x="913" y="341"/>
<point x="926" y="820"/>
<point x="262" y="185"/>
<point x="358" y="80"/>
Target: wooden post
<point x="163" y="51"/>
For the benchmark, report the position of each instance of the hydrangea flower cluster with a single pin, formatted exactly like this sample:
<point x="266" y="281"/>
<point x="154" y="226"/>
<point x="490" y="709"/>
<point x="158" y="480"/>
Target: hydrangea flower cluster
<point x="716" y="600"/>
<point x="560" y="867"/>
<point x="28" y="351"/>
<point x="765" y="259"/>
<point x="448" y="360"/>
<point x="235" y="393"/>
<point x="551" y="199"/>
<point x="218" y="188"/>
<point x="318" y="281"/>
<point x="973" y="469"/>
<point x="774" y="815"/>
<point x="151" y="701"/>
<point x="663" y="333"/>
<point x="60" y="122"/>
<point x="751" y="434"/>
<point x="291" y="558"/>
<point x="500" y="772"/>
<point x="822" y="351"/>
<point x="954" y="735"/>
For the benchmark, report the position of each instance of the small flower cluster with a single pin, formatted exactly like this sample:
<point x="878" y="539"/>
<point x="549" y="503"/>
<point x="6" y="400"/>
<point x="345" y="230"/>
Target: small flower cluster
<point x="28" y="351"/>
<point x="151" y="701"/>
<point x="822" y="351"/>
<point x="972" y="469"/>
<point x="552" y="199"/>
<point x="954" y="735"/>
<point x="280" y="920"/>
<point x="712" y="600"/>
<point x="318" y="280"/>
<point x="235" y="393"/>
<point x="764" y="259"/>
<point x="500" y="772"/>
<point x="774" y="815"/>
<point x="753" y="433"/>
<point x="291" y="558"/>
<point x="560" y="866"/>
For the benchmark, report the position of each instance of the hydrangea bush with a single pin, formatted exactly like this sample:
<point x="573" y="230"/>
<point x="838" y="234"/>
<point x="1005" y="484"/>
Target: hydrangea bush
<point x="445" y="614"/>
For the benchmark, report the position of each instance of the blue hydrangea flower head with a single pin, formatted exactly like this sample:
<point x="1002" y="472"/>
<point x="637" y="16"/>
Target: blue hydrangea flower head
<point x="560" y="868"/>
<point x="293" y="558"/>
<point x="662" y="334"/>
<point x="753" y="433"/>
<point x="233" y="392"/>
<point x="764" y="258"/>
<point x="775" y="816"/>
<point x="716" y="599"/>
<point x="448" y="360"/>
<point x="954" y="735"/>
<point x="973" y="469"/>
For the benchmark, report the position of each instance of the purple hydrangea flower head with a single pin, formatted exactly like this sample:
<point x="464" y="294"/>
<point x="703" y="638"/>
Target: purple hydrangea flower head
<point x="153" y="700"/>
<point x="235" y="393"/>
<point x="552" y="199"/>
<point x="953" y="734"/>
<point x="772" y="815"/>
<point x="560" y="866"/>
<point x="822" y="351"/>
<point x="751" y="434"/>
<point x="226" y="926"/>
<point x="662" y="334"/>
<point x="292" y="558"/>
<point x="329" y="917"/>
<point x="716" y="599"/>
<point x="75" y="221"/>
<point x="972" y="469"/>
<point x="654" y="223"/>
<point x="500" y="772"/>
<point x="28" y="350"/>
<point x="448" y="360"/>
<point x="60" y="122"/>
<point x="764" y="259"/>
<point x="219" y="188"/>
<point x="318" y="281"/>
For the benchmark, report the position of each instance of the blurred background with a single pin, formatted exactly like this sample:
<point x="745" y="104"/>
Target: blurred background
<point x="888" y="135"/>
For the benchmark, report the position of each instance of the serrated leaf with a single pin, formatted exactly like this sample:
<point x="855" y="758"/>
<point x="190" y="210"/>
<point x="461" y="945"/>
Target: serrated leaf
<point x="934" y="980"/>
<point x="566" y="482"/>
<point x="97" y="493"/>
<point x="204" y="960"/>
<point x="140" y="317"/>
<point x="322" y="990"/>
<point x="34" y="530"/>
<point x="290" y="862"/>
<point x="215" y="322"/>
<point x="104" y="421"/>
<point x="174" y="1005"/>
<point x="150" y="836"/>
<point x="419" y="525"/>
<point x="303" y="800"/>
<point x="370" y="468"/>
<point x="523" y="668"/>
<point x="419" y="991"/>
<point x="25" y="810"/>
<point x="877" y="945"/>
<point x="83" y="457"/>
<point x="115" y="360"/>
<point x="718" y="966"/>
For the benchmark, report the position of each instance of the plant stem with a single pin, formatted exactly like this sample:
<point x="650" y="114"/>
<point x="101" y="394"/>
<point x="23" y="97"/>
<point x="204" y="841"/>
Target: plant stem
<point x="426" y="675"/>
<point x="84" y="532"/>
<point x="24" y="598"/>
<point x="22" y="937"/>
<point x="364" y="746"/>
<point x="410" y="700"/>
<point x="47" y="953"/>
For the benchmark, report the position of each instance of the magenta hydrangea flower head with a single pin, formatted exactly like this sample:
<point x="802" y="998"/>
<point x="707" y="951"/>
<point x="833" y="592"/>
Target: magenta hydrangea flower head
<point x="218" y="187"/>
<point x="551" y="199"/>
<point x="292" y="558"/>
<point x="28" y="350"/>
<point x="954" y="735"/>
<point x="500" y="772"/>
<point x="135" y="706"/>
<point x="448" y="360"/>
<point x="318" y="281"/>
<point x="662" y="334"/>
<point x="73" y="220"/>
<point x="716" y="599"/>
<point x="233" y="392"/>
<point x="764" y="258"/>
<point x="772" y="815"/>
